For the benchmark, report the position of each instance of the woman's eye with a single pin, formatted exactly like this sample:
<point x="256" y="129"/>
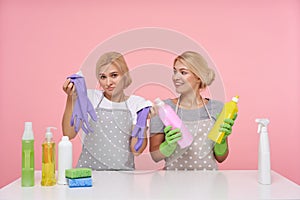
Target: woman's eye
<point x="183" y="72"/>
<point x="114" y="75"/>
<point x="102" y="77"/>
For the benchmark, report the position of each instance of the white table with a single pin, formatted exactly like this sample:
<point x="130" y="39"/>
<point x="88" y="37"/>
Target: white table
<point x="222" y="184"/>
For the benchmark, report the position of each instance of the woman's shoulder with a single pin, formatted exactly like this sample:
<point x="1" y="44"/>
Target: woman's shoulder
<point x="215" y="106"/>
<point x="94" y="96"/>
<point x="138" y="102"/>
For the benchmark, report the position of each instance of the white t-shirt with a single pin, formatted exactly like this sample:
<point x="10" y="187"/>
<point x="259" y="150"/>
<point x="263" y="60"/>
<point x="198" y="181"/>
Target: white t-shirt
<point x="134" y="103"/>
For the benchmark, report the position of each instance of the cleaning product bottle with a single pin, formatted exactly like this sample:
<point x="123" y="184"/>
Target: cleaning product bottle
<point x="27" y="178"/>
<point x="230" y="108"/>
<point x="169" y="117"/>
<point x="264" y="163"/>
<point x="64" y="159"/>
<point x="48" y="159"/>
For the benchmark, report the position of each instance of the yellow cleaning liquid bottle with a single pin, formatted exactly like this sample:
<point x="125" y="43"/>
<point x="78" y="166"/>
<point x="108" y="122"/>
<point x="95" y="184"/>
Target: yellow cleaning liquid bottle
<point x="230" y="108"/>
<point x="48" y="160"/>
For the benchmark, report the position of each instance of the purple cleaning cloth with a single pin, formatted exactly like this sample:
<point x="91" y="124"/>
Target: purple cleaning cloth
<point x="140" y="126"/>
<point x="82" y="106"/>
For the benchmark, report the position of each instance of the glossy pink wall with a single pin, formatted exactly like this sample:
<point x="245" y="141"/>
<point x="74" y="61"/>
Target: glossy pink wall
<point x="254" y="44"/>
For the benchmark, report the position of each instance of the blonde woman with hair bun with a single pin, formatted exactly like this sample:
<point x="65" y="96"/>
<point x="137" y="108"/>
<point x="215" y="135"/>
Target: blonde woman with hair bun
<point x="111" y="145"/>
<point x="191" y="76"/>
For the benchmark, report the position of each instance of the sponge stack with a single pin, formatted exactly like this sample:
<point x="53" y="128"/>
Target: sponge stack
<point x="79" y="177"/>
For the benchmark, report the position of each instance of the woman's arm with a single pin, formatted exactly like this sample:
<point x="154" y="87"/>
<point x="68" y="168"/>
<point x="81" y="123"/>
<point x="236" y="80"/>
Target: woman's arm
<point x="67" y="129"/>
<point x="155" y="142"/>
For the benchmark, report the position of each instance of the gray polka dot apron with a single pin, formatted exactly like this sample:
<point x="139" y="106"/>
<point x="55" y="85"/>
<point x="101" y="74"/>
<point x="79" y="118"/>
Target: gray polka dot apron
<point x="108" y="148"/>
<point x="199" y="155"/>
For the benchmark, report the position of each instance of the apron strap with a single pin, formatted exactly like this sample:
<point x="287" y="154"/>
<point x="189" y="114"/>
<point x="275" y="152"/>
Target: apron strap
<point x="177" y="106"/>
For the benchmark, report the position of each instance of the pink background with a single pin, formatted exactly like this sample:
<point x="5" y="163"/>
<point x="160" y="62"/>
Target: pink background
<point x="254" y="44"/>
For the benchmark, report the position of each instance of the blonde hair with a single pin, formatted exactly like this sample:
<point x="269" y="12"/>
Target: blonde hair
<point x="198" y="65"/>
<point x="118" y="60"/>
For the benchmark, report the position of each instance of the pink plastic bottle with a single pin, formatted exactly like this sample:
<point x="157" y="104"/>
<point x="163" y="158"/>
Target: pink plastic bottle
<point x="170" y="118"/>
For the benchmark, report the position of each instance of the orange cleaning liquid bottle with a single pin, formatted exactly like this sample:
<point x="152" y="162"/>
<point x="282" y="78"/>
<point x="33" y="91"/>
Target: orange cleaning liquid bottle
<point x="230" y="108"/>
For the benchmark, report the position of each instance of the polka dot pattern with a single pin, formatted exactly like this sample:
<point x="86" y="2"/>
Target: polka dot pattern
<point x="108" y="148"/>
<point x="199" y="155"/>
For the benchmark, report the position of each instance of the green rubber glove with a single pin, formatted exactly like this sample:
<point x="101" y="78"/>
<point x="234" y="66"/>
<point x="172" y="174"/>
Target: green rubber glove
<point x="170" y="143"/>
<point x="226" y="127"/>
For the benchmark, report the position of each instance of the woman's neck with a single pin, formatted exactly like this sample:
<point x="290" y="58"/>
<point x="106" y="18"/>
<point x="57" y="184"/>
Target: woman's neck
<point x="116" y="97"/>
<point x="191" y="100"/>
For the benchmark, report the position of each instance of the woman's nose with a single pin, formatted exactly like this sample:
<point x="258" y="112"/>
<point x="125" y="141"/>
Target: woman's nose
<point x="108" y="81"/>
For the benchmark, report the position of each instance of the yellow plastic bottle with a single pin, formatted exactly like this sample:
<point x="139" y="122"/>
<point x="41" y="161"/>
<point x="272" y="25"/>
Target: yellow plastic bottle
<point x="48" y="160"/>
<point x="229" y="109"/>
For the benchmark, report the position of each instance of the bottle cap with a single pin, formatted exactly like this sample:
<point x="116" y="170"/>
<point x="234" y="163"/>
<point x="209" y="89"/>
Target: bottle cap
<point x="65" y="138"/>
<point x="28" y="133"/>
<point x="235" y="99"/>
<point x="49" y="134"/>
<point x="159" y="102"/>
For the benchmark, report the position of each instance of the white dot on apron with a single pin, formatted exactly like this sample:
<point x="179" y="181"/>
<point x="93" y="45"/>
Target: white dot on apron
<point x="85" y="161"/>
<point x="176" y="151"/>
<point x="104" y="154"/>
<point x="105" y="126"/>
<point x="195" y="162"/>
<point x="190" y="157"/>
<point x="204" y="124"/>
<point x="204" y="161"/>
<point x="205" y="134"/>
<point x="172" y="164"/>
<point x="200" y="138"/>
<point x="195" y="143"/>
<point x="209" y="165"/>
<point x="200" y="129"/>
<point x="94" y="162"/>
<point x="114" y="155"/>
<point x="200" y="148"/>
<point x="209" y="157"/>
<point x="190" y="148"/>
<point x="200" y="166"/>
<point x="181" y="165"/>
<point x="101" y="121"/>
<point x="120" y="141"/>
<point x="99" y="167"/>
<point x="195" y="153"/>
<point x="110" y="131"/>
<point x="185" y="161"/>
<point x="90" y="158"/>
<point x="190" y="166"/>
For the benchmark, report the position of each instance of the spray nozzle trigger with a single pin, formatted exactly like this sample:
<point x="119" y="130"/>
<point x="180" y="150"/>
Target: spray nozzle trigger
<point x="262" y="123"/>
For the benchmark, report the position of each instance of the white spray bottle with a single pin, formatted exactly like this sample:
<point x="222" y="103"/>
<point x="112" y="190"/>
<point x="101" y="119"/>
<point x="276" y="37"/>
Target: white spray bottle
<point x="264" y="163"/>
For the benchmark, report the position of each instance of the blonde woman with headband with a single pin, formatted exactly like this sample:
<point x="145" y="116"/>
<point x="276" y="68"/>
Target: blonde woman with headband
<point x="110" y="146"/>
<point x="191" y="76"/>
